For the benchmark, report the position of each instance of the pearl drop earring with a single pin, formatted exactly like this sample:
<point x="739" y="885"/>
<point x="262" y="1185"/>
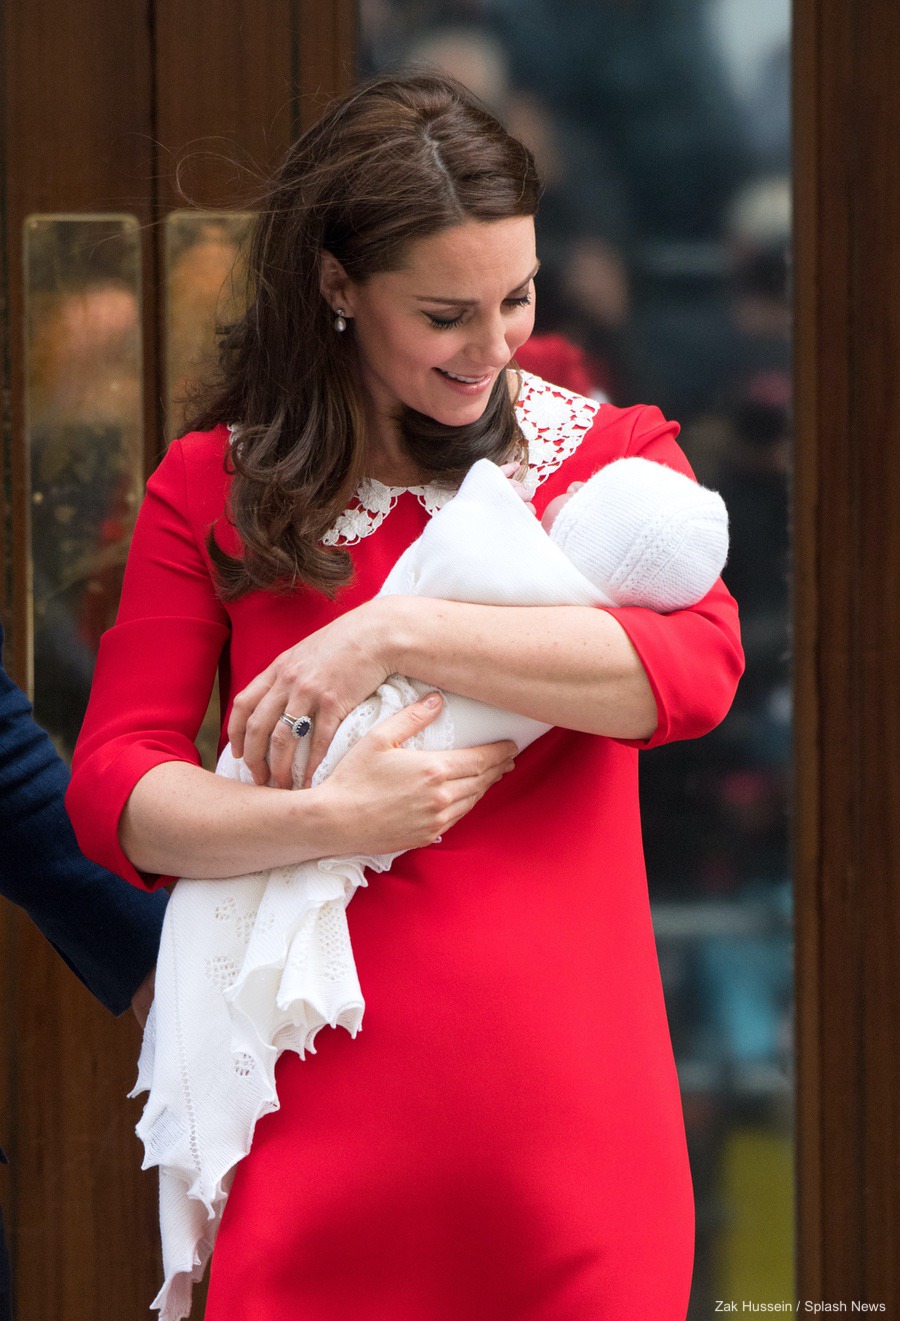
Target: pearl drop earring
<point x="340" y="323"/>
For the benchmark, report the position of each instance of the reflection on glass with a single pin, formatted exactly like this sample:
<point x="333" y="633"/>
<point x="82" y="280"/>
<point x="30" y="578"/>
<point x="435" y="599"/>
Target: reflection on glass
<point x="83" y="418"/>
<point x="662" y="130"/>
<point x="204" y="290"/>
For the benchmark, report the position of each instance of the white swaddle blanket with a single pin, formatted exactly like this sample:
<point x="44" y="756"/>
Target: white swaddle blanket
<point x="255" y="965"/>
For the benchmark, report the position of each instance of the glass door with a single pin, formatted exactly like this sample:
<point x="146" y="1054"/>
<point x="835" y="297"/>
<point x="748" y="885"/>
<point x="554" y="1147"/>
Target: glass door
<point x="661" y="129"/>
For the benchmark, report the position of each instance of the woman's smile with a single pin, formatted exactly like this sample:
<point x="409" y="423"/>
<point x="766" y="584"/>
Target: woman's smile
<point x="466" y="384"/>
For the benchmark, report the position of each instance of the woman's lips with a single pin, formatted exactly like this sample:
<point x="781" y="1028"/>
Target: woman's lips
<point x="465" y="384"/>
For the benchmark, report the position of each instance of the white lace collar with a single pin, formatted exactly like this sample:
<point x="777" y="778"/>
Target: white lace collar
<point x="552" y="420"/>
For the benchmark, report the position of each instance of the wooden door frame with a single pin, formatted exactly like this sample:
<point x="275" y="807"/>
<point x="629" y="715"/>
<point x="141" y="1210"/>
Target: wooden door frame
<point x="847" y="648"/>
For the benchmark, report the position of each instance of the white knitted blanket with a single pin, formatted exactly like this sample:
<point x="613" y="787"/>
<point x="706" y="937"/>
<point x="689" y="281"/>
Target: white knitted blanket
<point x="255" y="965"/>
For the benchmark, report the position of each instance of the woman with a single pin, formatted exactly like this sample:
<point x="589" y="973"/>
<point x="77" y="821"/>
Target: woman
<point x="505" y="1138"/>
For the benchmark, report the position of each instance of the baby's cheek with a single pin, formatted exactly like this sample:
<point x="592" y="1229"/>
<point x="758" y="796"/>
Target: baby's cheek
<point x="549" y="515"/>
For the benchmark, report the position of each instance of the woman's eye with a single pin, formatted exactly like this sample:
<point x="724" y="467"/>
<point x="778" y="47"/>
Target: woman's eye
<point x="440" y="324"/>
<point x="447" y="323"/>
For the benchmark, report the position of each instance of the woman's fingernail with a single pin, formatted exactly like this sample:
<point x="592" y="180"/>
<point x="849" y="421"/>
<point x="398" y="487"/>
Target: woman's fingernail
<point x="433" y="699"/>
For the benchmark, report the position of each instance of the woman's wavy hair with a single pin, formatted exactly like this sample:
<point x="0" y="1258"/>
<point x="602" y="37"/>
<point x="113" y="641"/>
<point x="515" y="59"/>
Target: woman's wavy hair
<point x="399" y="159"/>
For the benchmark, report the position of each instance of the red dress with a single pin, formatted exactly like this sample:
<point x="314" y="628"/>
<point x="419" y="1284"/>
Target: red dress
<point x="504" y="1140"/>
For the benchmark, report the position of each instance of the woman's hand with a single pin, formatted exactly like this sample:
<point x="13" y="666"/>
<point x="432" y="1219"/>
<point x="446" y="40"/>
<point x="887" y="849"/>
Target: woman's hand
<point x="324" y="677"/>
<point x="388" y="798"/>
<point x="181" y="820"/>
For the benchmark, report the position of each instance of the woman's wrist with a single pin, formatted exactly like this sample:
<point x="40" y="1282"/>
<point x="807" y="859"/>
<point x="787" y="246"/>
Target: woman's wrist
<point x="181" y="820"/>
<point x="394" y="620"/>
<point x="319" y="818"/>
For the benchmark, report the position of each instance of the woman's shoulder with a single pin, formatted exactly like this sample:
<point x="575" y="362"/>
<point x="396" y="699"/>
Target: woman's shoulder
<point x="197" y="454"/>
<point x="192" y="474"/>
<point x="203" y="449"/>
<point x="566" y="432"/>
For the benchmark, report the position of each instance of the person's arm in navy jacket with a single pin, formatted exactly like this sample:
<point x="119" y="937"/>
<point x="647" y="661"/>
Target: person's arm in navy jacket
<point x="106" y="930"/>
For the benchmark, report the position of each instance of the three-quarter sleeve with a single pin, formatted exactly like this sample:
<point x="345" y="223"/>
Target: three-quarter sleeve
<point x="155" y="669"/>
<point x="693" y="658"/>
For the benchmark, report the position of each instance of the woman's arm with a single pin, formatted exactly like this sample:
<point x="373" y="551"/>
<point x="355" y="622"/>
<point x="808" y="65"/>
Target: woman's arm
<point x="563" y="665"/>
<point x="571" y="666"/>
<point x="139" y="800"/>
<point x="181" y="820"/>
<point x="630" y="674"/>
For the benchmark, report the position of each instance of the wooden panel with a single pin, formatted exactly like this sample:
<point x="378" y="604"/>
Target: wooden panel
<point x="77" y="136"/>
<point x="226" y="96"/>
<point x="226" y="110"/>
<point x="84" y="1217"/>
<point x="327" y="45"/>
<point x="847" y="493"/>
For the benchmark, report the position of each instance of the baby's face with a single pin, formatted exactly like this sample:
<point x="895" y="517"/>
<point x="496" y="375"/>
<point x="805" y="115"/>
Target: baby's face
<point x="556" y="504"/>
<point x="549" y="516"/>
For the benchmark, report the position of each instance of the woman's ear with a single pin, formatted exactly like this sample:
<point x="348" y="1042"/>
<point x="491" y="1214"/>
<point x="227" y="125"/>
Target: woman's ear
<point x="335" y="283"/>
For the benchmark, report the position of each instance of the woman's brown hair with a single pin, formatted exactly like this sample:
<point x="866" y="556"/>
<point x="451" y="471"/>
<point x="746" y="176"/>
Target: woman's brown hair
<point x="399" y="159"/>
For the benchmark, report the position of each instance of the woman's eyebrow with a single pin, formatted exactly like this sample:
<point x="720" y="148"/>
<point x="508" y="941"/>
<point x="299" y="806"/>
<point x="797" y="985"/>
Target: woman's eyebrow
<point x="472" y="302"/>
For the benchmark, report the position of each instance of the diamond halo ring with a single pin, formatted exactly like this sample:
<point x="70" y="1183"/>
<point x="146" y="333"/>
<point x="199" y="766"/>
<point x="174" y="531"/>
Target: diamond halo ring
<point x="298" y="725"/>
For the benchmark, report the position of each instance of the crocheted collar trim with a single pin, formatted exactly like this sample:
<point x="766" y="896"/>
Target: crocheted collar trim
<point x="553" y="421"/>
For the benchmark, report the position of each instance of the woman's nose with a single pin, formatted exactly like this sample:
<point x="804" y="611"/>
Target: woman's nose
<point x="489" y="346"/>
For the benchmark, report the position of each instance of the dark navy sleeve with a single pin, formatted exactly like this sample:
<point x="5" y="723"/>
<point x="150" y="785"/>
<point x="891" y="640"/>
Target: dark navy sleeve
<point x="106" y="930"/>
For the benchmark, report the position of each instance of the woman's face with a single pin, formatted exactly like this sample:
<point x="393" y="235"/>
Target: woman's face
<point x="436" y="334"/>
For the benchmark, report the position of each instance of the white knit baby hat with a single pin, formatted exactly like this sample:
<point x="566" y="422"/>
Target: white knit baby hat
<point x="645" y="534"/>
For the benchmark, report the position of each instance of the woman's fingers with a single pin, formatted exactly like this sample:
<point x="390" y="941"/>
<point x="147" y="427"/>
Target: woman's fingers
<point x="391" y="733"/>
<point x="463" y="763"/>
<point x="397" y="797"/>
<point x="322" y="677"/>
<point x="282" y="750"/>
<point x="449" y="783"/>
<point x="325" y="719"/>
<point x="460" y="809"/>
<point x="403" y="725"/>
<point x="325" y="726"/>
<point x="466" y="793"/>
<point x="265" y="734"/>
<point x="244" y="705"/>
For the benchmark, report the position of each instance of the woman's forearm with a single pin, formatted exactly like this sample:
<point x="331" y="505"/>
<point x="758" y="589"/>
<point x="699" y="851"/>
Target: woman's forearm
<point x="181" y="820"/>
<point x="382" y="797"/>
<point x="571" y="666"/>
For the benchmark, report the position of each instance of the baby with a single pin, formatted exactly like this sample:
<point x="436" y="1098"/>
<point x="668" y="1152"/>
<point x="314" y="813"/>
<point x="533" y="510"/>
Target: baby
<point x="640" y="531"/>
<point x="255" y="965"/>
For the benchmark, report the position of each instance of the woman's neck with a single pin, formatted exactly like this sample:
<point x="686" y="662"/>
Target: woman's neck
<point x="387" y="462"/>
